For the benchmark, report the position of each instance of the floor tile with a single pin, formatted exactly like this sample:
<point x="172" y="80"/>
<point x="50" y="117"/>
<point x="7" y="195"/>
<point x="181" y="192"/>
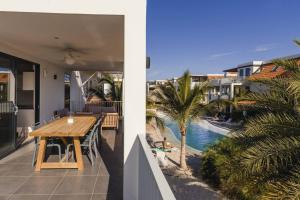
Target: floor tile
<point x="106" y="197"/>
<point x="51" y="172"/>
<point x="29" y="197"/>
<point x="88" y="169"/>
<point x="19" y="170"/>
<point x="25" y="159"/>
<point x="71" y="197"/>
<point x="9" y="185"/>
<point x="4" y="197"/>
<point x="18" y="181"/>
<point x="39" y="185"/>
<point x="107" y="184"/>
<point x="76" y="185"/>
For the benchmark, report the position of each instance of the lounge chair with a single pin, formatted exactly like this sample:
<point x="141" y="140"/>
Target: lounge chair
<point x="161" y="159"/>
<point x="163" y="145"/>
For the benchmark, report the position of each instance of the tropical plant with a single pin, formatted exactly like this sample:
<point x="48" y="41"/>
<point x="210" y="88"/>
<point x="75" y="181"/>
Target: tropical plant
<point x="182" y="104"/>
<point x="153" y="116"/>
<point x="115" y="92"/>
<point x="266" y="164"/>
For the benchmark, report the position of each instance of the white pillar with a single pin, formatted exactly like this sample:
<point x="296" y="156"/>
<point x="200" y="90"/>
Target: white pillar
<point x="134" y="94"/>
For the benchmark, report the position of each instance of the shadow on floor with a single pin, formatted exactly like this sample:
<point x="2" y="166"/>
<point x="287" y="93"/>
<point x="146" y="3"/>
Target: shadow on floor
<point x="111" y="151"/>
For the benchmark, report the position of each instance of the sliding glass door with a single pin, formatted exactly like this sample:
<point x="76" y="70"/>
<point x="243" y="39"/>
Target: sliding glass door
<point x="7" y="109"/>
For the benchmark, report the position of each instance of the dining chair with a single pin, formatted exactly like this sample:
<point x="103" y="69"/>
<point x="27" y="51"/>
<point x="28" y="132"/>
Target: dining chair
<point x="37" y="143"/>
<point x="89" y="142"/>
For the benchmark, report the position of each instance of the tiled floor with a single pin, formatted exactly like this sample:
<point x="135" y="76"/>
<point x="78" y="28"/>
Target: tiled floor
<point x="18" y="181"/>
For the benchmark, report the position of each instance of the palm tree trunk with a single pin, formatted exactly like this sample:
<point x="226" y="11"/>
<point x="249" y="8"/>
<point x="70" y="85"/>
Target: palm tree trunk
<point x="182" y="150"/>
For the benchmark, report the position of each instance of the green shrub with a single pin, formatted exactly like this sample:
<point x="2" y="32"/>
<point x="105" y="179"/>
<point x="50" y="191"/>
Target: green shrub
<point x="220" y="168"/>
<point x="209" y="171"/>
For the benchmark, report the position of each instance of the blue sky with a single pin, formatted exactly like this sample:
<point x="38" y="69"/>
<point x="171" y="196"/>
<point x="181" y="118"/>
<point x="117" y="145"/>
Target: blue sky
<point x="208" y="36"/>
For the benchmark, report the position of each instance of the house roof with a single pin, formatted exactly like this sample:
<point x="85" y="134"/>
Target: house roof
<point x="235" y="69"/>
<point x="214" y="76"/>
<point x="247" y="64"/>
<point x="270" y="70"/>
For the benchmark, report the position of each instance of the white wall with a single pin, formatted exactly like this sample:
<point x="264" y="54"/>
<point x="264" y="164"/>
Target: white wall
<point x="51" y="91"/>
<point x="76" y="97"/>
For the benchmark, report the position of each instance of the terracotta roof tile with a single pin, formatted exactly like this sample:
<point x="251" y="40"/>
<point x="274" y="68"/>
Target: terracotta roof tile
<point x="269" y="71"/>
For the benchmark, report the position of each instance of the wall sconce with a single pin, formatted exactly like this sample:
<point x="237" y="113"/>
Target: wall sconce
<point x="44" y="73"/>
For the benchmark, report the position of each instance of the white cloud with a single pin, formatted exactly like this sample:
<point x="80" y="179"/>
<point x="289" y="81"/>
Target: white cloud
<point x="265" y="47"/>
<point x="218" y="55"/>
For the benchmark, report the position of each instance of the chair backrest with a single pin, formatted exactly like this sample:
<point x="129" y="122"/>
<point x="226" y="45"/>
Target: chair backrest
<point x="61" y="113"/>
<point x="34" y="127"/>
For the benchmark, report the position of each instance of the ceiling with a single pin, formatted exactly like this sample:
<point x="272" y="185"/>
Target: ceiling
<point x="96" y="41"/>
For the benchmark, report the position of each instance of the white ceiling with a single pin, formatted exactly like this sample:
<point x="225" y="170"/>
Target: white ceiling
<point x="97" y="40"/>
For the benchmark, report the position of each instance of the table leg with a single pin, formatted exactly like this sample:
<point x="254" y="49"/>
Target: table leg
<point x="41" y="154"/>
<point x="78" y="153"/>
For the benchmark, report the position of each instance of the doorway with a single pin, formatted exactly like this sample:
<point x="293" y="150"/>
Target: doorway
<point x="19" y="100"/>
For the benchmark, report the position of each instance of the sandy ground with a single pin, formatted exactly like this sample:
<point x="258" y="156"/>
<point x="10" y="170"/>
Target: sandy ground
<point x="186" y="185"/>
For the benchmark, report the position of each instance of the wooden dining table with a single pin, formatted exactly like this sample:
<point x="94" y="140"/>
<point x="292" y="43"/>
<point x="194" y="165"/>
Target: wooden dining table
<point x="60" y="128"/>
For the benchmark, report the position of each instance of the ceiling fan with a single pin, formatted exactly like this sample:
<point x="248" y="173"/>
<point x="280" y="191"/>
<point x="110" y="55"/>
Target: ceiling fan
<point x="71" y="55"/>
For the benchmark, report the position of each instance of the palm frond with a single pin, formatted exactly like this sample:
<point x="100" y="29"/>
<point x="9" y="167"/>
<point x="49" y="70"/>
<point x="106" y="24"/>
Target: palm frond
<point x="271" y="154"/>
<point x="289" y="65"/>
<point x="98" y="92"/>
<point x="153" y="116"/>
<point x="271" y="124"/>
<point x="297" y="42"/>
<point x="286" y="188"/>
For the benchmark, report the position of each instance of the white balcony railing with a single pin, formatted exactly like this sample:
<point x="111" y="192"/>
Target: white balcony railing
<point x="152" y="182"/>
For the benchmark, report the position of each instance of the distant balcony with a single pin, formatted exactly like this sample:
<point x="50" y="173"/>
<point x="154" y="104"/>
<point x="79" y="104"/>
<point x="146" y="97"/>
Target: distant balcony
<point x="213" y="97"/>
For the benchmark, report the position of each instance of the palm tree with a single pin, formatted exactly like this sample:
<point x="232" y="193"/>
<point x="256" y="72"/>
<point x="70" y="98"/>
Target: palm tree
<point x="115" y="93"/>
<point x="271" y="140"/>
<point x="152" y="115"/>
<point x="181" y="104"/>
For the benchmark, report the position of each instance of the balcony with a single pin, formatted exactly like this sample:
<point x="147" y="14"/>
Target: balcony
<point x="101" y="181"/>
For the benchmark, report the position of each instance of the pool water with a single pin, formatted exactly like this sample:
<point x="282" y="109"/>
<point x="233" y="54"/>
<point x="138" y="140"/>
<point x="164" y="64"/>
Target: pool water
<point x="197" y="137"/>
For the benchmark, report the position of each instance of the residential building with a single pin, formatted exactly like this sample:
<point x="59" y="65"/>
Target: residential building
<point x="269" y="70"/>
<point x="41" y="41"/>
<point x="233" y="81"/>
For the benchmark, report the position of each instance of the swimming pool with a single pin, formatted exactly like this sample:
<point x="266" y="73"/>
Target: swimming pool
<point x="197" y="136"/>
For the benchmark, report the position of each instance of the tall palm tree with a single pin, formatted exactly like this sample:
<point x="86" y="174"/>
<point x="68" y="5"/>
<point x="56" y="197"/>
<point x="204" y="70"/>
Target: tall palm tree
<point x="182" y="104"/>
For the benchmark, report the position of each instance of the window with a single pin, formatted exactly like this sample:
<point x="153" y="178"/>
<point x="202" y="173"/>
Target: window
<point x="247" y="72"/>
<point x="241" y="74"/>
<point x="274" y="68"/>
